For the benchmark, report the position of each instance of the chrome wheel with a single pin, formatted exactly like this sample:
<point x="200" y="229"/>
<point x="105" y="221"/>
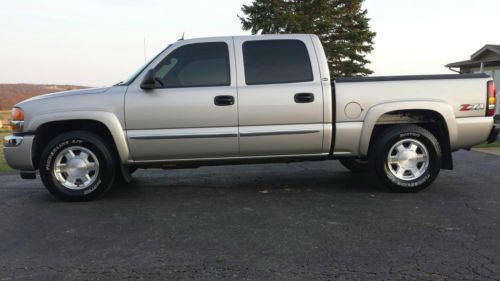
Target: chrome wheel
<point x="408" y="159"/>
<point x="76" y="168"/>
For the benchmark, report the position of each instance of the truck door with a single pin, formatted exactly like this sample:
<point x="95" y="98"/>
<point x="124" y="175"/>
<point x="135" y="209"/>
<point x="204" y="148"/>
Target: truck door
<point x="280" y="97"/>
<point x="192" y="112"/>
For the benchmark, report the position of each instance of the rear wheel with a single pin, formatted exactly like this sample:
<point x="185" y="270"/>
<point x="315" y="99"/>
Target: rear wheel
<point x="77" y="166"/>
<point x="356" y="165"/>
<point x="407" y="158"/>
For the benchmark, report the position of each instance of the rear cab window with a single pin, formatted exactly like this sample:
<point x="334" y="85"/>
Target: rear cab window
<point x="276" y="62"/>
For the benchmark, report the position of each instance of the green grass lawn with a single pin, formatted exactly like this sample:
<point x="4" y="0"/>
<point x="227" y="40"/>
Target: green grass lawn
<point x="495" y="144"/>
<point x="3" y="166"/>
<point x="3" y="132"/>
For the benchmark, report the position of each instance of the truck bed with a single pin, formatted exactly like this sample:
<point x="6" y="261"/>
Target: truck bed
<point x="410" y="77"/>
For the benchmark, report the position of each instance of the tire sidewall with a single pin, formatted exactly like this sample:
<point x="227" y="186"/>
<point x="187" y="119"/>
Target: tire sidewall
<point x="426" y="178"/>
<point x="105" y="174"/>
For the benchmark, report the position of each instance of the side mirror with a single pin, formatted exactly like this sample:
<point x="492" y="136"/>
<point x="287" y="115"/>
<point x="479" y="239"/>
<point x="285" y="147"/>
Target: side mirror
<point x="148" y="83"/>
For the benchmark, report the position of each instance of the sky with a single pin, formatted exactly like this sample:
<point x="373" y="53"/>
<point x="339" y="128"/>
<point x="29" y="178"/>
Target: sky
<point x="99" y="43"/>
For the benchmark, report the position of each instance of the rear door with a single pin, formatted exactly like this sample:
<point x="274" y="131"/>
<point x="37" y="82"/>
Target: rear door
<point x="280" y="96"/>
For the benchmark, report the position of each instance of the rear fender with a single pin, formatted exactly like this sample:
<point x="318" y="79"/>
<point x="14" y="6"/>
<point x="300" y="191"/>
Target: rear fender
<point x="375" y="112"/>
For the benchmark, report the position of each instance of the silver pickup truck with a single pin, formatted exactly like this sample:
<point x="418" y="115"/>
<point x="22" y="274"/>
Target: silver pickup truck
<point x="249" y="99"/>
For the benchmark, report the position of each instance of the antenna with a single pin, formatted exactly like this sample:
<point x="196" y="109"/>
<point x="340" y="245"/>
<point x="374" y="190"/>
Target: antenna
<point x="144" y="49"/>
<point x="182" y="38"/>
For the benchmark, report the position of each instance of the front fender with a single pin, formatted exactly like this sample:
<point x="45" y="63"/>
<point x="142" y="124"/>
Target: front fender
<point x="375" y="112"/>
<point x="108" y="119"/>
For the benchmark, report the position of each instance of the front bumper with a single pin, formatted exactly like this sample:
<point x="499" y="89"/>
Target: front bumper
<point x="18" y="152"/>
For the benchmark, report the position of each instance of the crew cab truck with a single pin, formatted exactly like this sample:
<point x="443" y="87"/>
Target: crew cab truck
<point x="249" y="99"/>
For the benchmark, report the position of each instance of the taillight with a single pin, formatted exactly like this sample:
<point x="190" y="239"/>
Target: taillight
<point x="492" y="99"/>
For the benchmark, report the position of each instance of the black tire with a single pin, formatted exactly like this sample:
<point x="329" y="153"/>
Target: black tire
<point x="356" y="165"/>
<point x="387" y="173"/>
<point x="104" y="175"/>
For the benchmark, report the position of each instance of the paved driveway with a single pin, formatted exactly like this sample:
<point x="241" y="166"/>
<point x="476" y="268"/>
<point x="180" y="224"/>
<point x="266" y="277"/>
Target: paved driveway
<point x="305" y="221"/>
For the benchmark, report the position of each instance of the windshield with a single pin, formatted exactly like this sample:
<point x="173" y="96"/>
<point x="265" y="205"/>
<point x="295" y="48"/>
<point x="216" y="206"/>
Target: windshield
<point x="138" y="72"/>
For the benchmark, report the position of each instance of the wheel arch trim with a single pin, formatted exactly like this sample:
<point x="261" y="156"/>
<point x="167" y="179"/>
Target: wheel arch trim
<point x="109" y="120"/>
<point x="374" y="113"/>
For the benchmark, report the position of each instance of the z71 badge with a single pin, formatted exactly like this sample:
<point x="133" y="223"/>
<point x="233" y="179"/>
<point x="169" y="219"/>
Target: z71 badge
<point x="472" y="107"/>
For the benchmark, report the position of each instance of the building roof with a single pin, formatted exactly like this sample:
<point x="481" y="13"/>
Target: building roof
<point x="488" y="47"/>
<point x="475" y="60"/>
<point x="473" y="63"/>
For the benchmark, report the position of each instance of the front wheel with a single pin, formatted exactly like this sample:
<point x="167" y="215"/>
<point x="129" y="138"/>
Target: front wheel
<point x="407" y="158"/>
<point x="77" y="166"/>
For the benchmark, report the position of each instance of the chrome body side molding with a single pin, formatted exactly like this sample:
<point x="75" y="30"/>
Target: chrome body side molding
<point x="278" y="133"/>
<point x="183" y="136"/>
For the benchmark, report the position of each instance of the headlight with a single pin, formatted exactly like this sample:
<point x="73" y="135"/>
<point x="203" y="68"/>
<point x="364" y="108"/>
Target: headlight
<point x="17" y="120"/>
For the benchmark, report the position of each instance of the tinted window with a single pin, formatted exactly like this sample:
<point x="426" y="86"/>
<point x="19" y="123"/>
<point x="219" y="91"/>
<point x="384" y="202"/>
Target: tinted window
<point x="195" y="65"/>
<point x="276" y="61"/>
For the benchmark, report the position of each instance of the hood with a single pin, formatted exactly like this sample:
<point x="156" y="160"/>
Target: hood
<point x="68" y="93"/>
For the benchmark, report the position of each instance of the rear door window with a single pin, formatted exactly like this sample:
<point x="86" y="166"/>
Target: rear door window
<point x="276" y="61"/>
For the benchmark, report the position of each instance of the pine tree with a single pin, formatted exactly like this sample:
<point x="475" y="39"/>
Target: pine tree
<point x="342" y="26"/>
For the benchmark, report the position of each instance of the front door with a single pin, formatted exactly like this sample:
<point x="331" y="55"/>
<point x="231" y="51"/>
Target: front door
<point x="192" y="112"/>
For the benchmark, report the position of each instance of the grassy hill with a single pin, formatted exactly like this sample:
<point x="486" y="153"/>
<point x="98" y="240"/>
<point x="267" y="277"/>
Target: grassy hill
<point x="11" y="94"/>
